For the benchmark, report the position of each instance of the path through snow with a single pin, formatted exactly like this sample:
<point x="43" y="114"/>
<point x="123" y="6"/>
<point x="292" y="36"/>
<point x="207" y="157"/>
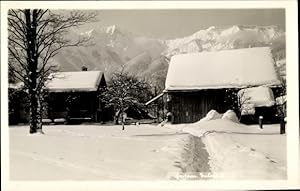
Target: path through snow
<point x="238" y="151"/>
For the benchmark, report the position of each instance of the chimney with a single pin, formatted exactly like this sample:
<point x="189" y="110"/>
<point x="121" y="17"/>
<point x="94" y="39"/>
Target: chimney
<point x="84" y="68"/>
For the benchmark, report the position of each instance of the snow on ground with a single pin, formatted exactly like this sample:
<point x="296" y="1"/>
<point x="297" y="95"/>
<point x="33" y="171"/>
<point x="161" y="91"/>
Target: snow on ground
<point x="238" y="151"/>
<point x="220" y="148"/>
<point x="95" y="152"/>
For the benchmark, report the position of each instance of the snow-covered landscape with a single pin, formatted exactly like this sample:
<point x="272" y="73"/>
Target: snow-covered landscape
<point x="115" y="95"/>
<point x="148" y="152"/>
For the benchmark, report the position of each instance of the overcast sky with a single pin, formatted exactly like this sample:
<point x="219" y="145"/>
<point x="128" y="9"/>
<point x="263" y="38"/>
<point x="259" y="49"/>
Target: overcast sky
<point x="178" y="23"/>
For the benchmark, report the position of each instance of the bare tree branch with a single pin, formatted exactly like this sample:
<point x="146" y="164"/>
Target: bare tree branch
<point x="36" y="36"/>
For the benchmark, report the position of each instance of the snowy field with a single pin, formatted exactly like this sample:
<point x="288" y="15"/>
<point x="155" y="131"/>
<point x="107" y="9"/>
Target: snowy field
<point x="148" y="152"/>
<point x="95" y="152"/>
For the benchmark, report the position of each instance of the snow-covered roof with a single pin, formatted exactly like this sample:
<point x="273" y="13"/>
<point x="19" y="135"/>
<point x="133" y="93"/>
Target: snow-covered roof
<point x="258" y="96"/>
<point x="86" y="81"/>
<point x="17" y="85"/>
<point x="236" y="68"/>
<point x="280" y="100"/>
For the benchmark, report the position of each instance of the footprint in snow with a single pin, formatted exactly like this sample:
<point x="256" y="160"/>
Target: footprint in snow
<point x="272" y="161"/>
<point x="257" y="155"/>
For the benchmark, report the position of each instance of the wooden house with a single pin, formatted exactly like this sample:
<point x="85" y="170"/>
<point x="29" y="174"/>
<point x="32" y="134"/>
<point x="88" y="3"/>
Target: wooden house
<point x="17" y="108"/>
<point x="73" y="96"/>
<point x="197" y="82"/>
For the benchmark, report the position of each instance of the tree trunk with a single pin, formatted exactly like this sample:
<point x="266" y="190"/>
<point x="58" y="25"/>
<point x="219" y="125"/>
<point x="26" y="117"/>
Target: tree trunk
<point x="116" y="118"/>
<point x="35" y="114"/>
<point x="32" y="60"/>
<point x="122" y="119"/>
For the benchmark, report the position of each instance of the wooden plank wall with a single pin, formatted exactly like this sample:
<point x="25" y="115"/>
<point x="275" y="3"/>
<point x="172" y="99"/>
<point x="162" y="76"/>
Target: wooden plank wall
<point x="86" y="105"/>
<point x="188" y="107"/>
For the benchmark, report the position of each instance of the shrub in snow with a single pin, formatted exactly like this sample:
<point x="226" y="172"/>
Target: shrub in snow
<point x="230" y="115"/>
<point x="212" y="115"/>
<point x="248" y="109"/>
<point x="46" y="120"/>
<point x="60" y="120"/>
<point x="280" y="100"/>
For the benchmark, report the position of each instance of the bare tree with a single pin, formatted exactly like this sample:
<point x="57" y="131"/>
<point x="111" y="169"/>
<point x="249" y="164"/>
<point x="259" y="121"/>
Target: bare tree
<point x="237" y="100"/>
<point x="244" y="105"/>
<point x="280" y="92"/>
<point x="281" y="103"/>
<point x="36" y="36"/>
<point x="281" y="99"/>
<point x="125" y="91"/>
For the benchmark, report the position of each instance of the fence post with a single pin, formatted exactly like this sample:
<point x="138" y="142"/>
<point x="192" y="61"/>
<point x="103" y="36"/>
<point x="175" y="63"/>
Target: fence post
<point x="260" y="121"/>
<point x="282" y="125"/>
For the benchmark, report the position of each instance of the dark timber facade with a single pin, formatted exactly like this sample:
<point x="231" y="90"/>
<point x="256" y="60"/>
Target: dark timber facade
<point x="191" y="106"/>
<point x="76" y="106"/>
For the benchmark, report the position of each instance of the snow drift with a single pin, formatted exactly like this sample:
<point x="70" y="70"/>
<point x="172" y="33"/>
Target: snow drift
<point x="230" y="115"/>
<point x="211" y="115"/>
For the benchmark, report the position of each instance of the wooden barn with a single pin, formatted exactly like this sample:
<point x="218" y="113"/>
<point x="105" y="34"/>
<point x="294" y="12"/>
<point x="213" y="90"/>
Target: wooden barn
<point x="73" y="96"/>
<point x="198" y="82"/>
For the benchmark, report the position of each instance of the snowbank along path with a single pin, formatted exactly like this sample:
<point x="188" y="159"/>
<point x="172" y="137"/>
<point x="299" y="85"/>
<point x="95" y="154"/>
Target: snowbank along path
<point x="238" y="151"/>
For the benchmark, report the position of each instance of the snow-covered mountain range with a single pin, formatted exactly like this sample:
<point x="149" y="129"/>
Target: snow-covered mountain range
<point x="214" y="39"/>
<point x="148" y="58"/>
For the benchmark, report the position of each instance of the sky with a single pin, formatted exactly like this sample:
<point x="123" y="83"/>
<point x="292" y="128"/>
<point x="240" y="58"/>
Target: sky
<point x="178" y="23"/>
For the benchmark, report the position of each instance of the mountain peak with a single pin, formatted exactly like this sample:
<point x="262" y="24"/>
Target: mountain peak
<point x="232" y="30"/>
<point x="211" y="28"/>
<point x="111" y="29"/>
<point x="87" y="33"/>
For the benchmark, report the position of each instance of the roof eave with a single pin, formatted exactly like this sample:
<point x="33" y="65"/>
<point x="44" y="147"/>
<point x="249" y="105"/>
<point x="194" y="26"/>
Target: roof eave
<point x="72" y="90"/>
<point x="193" y="89"/>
